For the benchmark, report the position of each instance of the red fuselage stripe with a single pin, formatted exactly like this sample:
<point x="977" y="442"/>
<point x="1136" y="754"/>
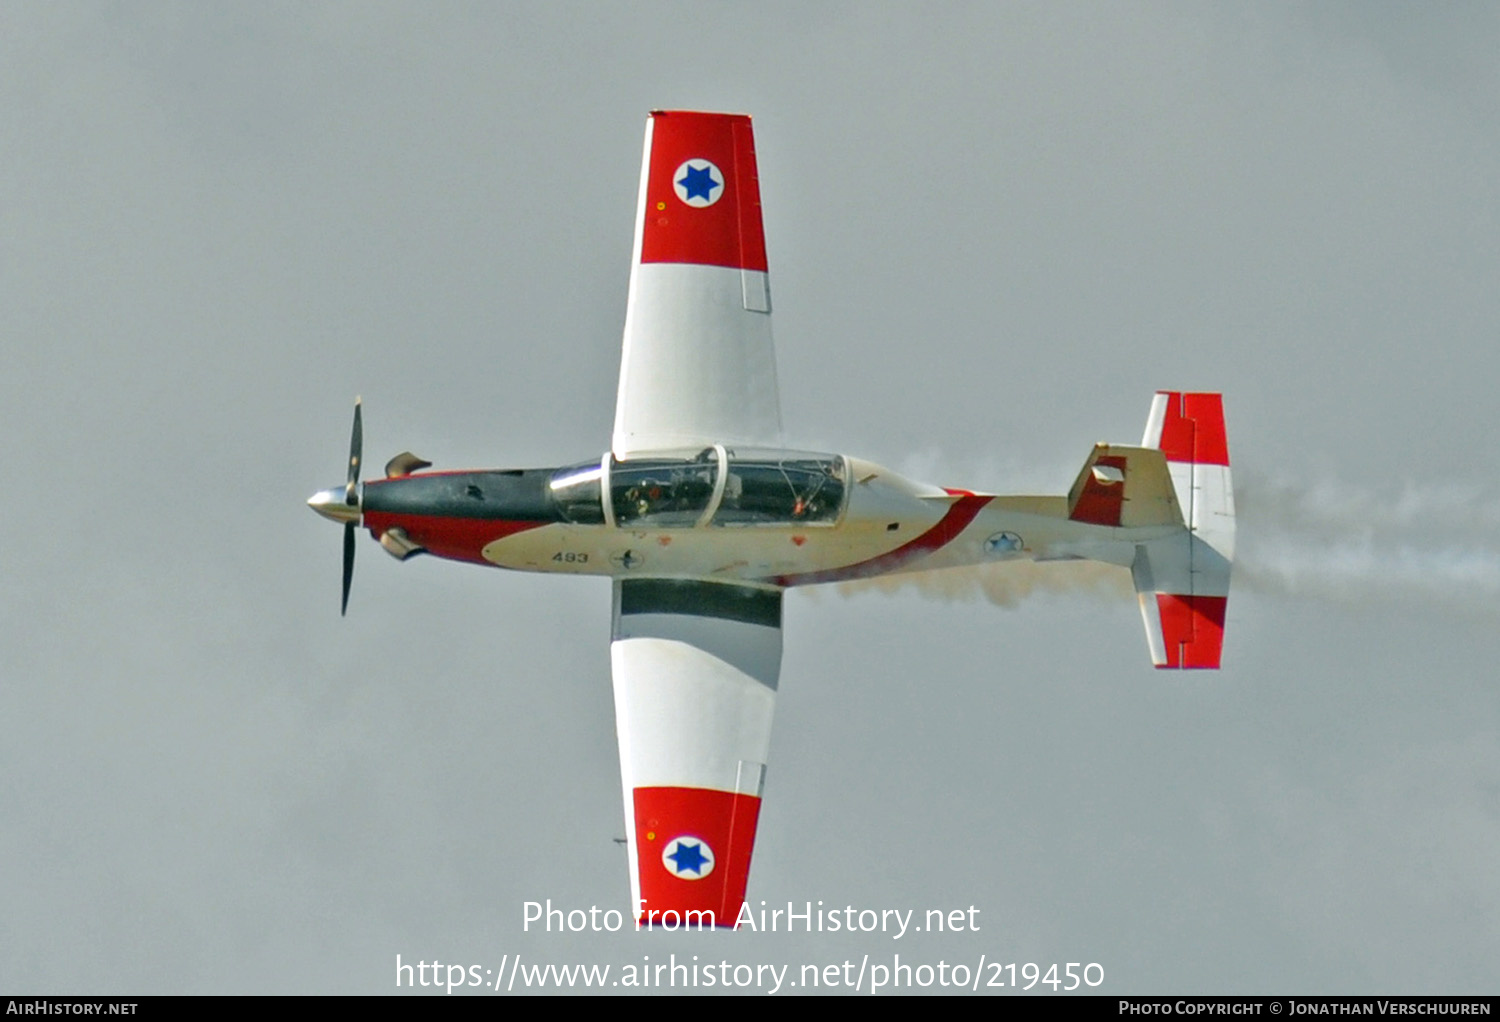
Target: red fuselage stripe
<point x="458" y="539"/>
<point x="963" y="511"/>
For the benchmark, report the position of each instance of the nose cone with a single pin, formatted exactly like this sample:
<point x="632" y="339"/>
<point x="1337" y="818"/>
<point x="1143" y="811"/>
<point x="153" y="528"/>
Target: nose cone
<point x="332" y="505"/>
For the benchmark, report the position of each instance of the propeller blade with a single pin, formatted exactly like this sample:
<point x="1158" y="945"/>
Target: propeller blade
<point x="356" y="449"/>
<point x="351" y="498"/>
<point x="345" y="504"/>
<point x="348" y="566"/>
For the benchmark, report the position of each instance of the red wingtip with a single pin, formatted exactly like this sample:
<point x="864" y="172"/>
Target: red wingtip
<point x="702" y="192"/>
<point x="707" y="837"/>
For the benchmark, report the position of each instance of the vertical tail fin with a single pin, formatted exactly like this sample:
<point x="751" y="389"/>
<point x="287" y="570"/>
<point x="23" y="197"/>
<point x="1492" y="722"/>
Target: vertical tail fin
<point x="1183" y="581"/>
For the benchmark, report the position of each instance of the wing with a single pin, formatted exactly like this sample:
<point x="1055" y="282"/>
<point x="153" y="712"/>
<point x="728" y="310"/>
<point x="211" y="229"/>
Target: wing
<point x="698" y="365"/>
<point x="695" y="669"/>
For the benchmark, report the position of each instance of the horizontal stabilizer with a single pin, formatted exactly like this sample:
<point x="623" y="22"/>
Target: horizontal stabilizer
<point x="1183" y="580"/>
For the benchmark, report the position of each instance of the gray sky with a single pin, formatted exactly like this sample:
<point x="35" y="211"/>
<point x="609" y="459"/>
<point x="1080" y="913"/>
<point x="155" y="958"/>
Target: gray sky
<point x="993" y="231"/>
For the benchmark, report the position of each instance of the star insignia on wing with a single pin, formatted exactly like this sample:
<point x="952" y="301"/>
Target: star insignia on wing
<point x="688" y="858"/>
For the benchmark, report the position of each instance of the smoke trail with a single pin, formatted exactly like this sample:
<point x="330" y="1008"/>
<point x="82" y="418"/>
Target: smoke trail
<point x="1004" y="584"/>
<point x="1437" y="545"/>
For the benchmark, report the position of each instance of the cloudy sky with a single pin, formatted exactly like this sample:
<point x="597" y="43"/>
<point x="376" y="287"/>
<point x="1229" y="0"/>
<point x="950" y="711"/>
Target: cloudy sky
<point x="994" y="230"/>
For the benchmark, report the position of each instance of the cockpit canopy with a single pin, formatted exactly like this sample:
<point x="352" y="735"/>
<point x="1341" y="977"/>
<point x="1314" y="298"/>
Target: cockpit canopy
<point x="717" y="487"/>
<point x="575" y="492"/>
<point x="782" y="488"/>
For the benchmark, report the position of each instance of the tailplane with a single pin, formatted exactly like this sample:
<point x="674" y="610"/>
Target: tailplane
<point x="1182" y="581"/>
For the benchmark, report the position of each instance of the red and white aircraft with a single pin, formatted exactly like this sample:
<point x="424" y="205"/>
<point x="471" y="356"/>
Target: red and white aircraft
<point x="703" y="519"/>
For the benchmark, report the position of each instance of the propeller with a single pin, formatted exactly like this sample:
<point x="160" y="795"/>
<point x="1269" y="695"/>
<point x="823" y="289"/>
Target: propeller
<point x="343" y="504"/>
<point x="351" y="498"/>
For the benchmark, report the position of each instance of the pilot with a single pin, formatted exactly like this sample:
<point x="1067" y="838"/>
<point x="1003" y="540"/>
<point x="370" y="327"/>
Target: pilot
<point x="734" y="489"/>
<point x="644" y="496"/>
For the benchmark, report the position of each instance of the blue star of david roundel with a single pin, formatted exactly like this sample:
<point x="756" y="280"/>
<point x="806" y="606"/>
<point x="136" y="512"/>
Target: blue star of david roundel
<point x="698" y="183"/>
<point x="1004" y="544"/>
<point x="688" y="858"/>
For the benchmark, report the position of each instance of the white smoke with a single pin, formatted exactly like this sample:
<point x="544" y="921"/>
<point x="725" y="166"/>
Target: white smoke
<point x="1004" y="584"/>
<point x="1335" y="541"/>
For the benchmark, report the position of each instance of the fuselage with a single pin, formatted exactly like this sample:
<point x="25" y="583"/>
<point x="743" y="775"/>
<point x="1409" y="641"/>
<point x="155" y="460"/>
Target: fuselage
<point x="776" y="518"/>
